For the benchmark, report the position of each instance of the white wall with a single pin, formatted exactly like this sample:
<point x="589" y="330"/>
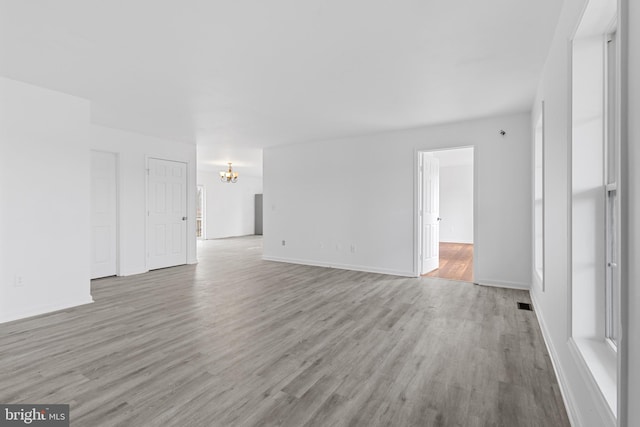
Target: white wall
<point x="133" y="149"/>
<point x="553" y="306"/>
<point x="456" y="203"/>
<point x="44" y="200"/>
<point x="350" y="202"/>
<point x="631" y="274"/>
<point x="229" y="207"/>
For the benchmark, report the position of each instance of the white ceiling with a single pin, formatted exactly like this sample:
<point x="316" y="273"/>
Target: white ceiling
<point x="239" y="75"/>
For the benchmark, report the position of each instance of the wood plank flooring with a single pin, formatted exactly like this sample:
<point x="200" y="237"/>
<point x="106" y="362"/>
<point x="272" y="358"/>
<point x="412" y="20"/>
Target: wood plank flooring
<point x="456" y="262"/>
<point x="238" y="341"/>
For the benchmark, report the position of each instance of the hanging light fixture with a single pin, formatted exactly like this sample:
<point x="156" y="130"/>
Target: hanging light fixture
<point x="229" y="175"/>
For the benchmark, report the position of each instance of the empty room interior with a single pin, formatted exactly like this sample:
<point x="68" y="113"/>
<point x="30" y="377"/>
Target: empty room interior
<point x="322" y="213"/>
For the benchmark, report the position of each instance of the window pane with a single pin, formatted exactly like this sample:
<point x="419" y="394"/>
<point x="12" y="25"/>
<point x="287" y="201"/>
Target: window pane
<point x="200" y="212"/>
<point x="613" y="281"/>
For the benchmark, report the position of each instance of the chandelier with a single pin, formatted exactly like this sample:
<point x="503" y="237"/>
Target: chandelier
<point x="229" y="175"/>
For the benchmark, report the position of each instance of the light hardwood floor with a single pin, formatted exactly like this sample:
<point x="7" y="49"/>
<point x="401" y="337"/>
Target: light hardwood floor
<point x="456" y="262"/>
<point x="237" y="341"/>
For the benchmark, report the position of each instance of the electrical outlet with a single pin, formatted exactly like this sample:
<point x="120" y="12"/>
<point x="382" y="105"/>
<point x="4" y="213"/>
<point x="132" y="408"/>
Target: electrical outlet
<point x="284" y="243"/>
<point x="18" y="281"/>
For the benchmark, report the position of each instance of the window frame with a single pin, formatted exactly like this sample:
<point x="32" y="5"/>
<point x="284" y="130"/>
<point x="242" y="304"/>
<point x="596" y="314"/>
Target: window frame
<point x="612" y="202"/>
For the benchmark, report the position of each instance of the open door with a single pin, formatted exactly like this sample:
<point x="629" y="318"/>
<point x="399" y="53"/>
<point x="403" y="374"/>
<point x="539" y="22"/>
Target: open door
<point x="429" y="212"/>
<point x="167" y="214"/>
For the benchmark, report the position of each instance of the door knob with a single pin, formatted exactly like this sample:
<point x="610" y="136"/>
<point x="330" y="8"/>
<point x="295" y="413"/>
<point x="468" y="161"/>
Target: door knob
<point x="439" y="219"/>
<point x="184" y="218"/>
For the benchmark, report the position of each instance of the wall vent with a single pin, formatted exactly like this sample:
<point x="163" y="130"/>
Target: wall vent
<point x="524" y="306"/>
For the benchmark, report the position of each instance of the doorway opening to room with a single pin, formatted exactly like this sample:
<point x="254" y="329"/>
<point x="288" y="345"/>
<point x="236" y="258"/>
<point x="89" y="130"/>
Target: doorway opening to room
<point x="446" y="213"/>
<point x="104" y="214"/>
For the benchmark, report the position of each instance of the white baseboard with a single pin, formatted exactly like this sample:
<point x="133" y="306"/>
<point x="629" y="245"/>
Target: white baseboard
<point x="366" y="269"/>
<point x="565" y="391"/>
<point x="230" y="237"/>
<point x="43" y="309"/>
<point x="502" y="284"/>
<point x="133" y="272"/>
<point x="142" y="270"/>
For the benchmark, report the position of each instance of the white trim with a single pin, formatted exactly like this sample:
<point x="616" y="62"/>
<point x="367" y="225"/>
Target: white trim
<point x="44" y="309"/>
<point x="502" y="284"/>
<point x="569" y="169"/>
<point x="600" y="360"/>
<point x="601" y="406"/>
<point x="476" y="226"/>
<point x="233" y="237"/>
<point x="625" y="239"/>
<point x="366" y="269"/>
<point x="146" y="212"/>
<point x="133" y="272"/>
<point x="563" y="383"/>
<point x="538" y="275"/>
<point x="416" y="213"/>
<point x="119" y="216"/>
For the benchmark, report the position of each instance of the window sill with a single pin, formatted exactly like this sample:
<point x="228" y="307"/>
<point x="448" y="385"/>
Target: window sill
<point x="600" y="359"/>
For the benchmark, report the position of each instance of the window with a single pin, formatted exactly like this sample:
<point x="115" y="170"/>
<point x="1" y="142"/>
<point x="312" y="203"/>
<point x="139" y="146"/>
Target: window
<point x="200" y="208"/>
<point x="595" y="200"/>
<point x="612" y="280"/>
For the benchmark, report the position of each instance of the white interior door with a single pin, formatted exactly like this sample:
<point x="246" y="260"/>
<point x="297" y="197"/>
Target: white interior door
<point x="103" y="214"/>
<point x="430" y="213"/>
<point x="167" y="214"/>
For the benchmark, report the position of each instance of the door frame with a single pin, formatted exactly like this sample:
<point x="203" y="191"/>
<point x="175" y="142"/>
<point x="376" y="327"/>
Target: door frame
<point x="417" y="220"/>
<point x="119" y="237"/>
<point x="190" y="212"/>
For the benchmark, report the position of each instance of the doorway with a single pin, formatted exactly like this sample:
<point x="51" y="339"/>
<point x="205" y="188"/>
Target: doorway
<point x="446" y="213"/>
<point x="166" y="213"/>
<point x="104" y="214"/>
